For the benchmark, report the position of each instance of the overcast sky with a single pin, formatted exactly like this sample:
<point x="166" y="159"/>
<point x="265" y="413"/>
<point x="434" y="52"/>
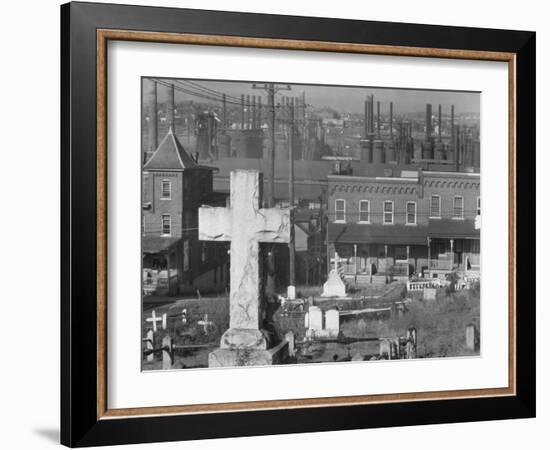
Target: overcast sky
<point x="341" y="98"/>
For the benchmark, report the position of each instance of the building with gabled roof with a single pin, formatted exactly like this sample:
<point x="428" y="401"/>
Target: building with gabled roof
<point x="170" y="155"/>
<point x="174" y="186"/>
<point x="418" y="222"/>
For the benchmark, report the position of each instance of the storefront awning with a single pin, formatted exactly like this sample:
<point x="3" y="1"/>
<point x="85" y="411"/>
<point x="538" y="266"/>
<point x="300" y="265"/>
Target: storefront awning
<point x="157" y="244"/>
<point x="452" y="229"/>
<point x="354" y="233"/>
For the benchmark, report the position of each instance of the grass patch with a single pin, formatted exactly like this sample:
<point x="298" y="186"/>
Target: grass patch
<point x="440" y="324"/>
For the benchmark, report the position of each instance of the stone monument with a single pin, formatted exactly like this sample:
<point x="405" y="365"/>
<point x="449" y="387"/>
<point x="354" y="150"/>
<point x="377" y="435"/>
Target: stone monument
<point x="334" y="286"/>
<point x="245" y="224"/>
<point x="332" y="322"/>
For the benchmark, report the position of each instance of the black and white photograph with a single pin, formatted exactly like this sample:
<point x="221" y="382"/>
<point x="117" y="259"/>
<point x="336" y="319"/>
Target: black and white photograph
<point x="298" y="223"/>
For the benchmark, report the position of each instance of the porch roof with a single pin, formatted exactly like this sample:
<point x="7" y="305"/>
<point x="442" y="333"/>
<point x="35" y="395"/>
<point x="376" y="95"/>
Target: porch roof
<point x="157" y="244"/>
<point x="453" y="229"/>
<point x="354" y="233"/>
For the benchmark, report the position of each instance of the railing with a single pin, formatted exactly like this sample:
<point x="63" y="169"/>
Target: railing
<point x="421" y="285"/>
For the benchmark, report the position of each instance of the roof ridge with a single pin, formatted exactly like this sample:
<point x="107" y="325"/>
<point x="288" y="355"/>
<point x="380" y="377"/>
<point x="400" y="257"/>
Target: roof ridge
<point x="163" y="157"/>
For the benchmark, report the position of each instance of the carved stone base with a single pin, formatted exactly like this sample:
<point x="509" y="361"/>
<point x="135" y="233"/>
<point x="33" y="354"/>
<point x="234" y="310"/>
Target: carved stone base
<point x="224" y="357"/>
<point x="243" y="338"/>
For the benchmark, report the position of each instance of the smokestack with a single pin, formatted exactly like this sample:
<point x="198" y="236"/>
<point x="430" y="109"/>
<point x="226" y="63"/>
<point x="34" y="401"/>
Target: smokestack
<point x="378" y="120"/>
<point x="391" y="120"/>
<point x="247" y="111"/>
<point x="428" y="121"/>
<point x="366" y="119"/>
<point x="439" y="122"/>
<point x="259" y="111"/>
<point x="369" y="116"/>
<point x="172" y="109"/>
<point x="254" y="112"/>
<point x="153" y="118"/>
<point x="242" y="111"/>
<point x="224" y="111"/>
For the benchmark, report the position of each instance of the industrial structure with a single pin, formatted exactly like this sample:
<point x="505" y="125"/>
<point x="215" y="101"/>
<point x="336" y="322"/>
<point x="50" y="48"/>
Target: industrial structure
<point x="344" y="177"/>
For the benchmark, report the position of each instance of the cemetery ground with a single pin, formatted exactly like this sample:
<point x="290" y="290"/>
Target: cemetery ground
<point x="196" y="325"/>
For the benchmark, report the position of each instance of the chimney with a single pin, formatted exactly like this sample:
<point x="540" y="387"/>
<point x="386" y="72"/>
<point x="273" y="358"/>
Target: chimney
<point x="242" y="111"/>
<point x="439" y="122"/>
<point x="428" y="121"/>
<point x="366" y="119"/>
<point x="369" y="116"/>
<point x="259" y="111"/>
<point x="253" y="112"/>
<point x="303" y="111"/>
<point x="391" y="120"/>
<point x="378" y="120"/>
<point x="153" y="120"/>
<point x="420" y="183"/>
<point x="247" y="111"/>
<point x="172" y="109"/>
<point x="452" y="126"/>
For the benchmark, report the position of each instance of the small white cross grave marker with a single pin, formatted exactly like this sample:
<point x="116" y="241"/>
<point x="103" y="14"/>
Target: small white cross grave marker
<point x="154" y="319"/>
<point x="205" y="323"/>
<point x="184" y="316"/>
<point x="245" y="224"/>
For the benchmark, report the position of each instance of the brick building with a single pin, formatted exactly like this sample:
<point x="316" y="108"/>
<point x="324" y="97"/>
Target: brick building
<point x="174" y="186"/>
<point x="418" y="222"/>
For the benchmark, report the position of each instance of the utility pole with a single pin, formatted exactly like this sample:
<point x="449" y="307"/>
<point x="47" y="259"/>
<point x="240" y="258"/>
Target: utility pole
<point x="224" y="112"/>
<point x="291" y="243"/>
<point x="154" y="119"/>
<point x="271" y="89"/>
<point x="172" y="109"/>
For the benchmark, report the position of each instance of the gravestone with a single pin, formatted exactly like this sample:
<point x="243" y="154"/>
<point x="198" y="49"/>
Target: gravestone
<point x="410" y="349"/>
<point x="332" y="322"/>
<point x="289" y="337"/>
<point x="385" y="349"/>
<point x="154" y="319"/>
<point x="149" y="345"/>
<point x="245" y="224"/>
<point x="291" y="292"/>
<point x="471" y="337"/>
<point x="334" y="286"/>
<point x="430" y="293"/>
<point x="166" y="352"/>
<point x="315" y="319"/>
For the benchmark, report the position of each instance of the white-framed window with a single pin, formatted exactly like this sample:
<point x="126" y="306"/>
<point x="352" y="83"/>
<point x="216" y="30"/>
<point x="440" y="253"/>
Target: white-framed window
<point x="435" y="207"/>
<point x="411" y="213"/>
<point x="166" y="225"/>
<point x="479" y="206"/>
<point x="166" y="190"/>
<point x="339" y="210"/>
<point x="364" y="211"/>
<point x="458" y="207"/>
<point x="388" y="212"/>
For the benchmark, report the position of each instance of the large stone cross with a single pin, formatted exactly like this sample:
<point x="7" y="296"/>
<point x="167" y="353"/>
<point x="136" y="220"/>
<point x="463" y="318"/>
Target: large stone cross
<point x="245" y="224"/>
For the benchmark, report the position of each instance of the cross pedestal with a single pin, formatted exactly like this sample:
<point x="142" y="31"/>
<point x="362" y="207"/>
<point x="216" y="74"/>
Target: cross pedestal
<point x="245" y="224"/>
